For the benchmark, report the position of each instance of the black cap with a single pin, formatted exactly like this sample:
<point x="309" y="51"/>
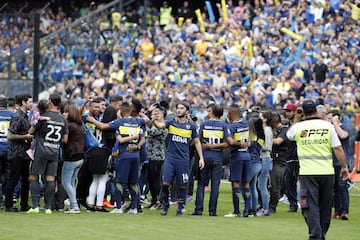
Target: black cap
<point x="309" y="107"/>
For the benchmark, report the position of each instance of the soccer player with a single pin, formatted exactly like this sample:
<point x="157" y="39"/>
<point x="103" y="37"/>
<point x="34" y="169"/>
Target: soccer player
<point x="49" y="137"/>
<point x="213" y="135"/>
<point x="177" y="164"/>
<point x="239" y="160"/>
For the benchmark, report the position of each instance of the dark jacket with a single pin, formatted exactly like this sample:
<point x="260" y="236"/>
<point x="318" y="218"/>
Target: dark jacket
<point x="74" y="149"/>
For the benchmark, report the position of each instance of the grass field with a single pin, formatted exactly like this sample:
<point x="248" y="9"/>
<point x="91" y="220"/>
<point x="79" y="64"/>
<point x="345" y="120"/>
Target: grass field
<point x="151" y="225"/>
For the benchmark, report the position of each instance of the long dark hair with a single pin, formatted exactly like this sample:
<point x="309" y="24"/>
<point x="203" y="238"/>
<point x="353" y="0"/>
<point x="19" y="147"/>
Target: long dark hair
<point x="73" y="114"/>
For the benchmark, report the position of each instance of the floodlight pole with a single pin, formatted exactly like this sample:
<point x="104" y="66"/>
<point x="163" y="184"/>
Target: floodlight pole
<point x="36" y="58"/>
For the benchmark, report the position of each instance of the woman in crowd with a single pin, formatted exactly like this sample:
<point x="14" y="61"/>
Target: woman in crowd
<point x="266" y="162"/>
<point x="73" y="155"/>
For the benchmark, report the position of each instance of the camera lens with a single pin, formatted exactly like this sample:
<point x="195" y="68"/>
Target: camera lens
<point x="299" y="111"/>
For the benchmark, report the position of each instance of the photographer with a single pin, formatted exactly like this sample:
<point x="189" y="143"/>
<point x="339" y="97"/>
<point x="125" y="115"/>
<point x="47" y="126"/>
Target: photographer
<point x="341" y="197"/>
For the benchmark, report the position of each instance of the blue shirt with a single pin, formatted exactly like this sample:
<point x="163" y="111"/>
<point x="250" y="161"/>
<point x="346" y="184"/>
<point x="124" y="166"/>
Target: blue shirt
<point x="240" y="132"/>
<point x="126" y="127"/>
<point x="179" y="138"/>
<point x="5" y="117"/>
<point x="213" y="132"/>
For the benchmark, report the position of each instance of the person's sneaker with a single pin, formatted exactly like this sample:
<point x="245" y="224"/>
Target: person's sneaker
<point x="189" y="198"/>
<point x="101" y="209"/>
<point x="245" y="213"/>
<point x="12" y="209"/>
<point x="117" y="211"/>
<point x="232" y="215"/>
<point x="179" y="213"/>
<point x="262" y="213"/>
<point x="33" y="210"/>
<point x="90" y="209"/>
<point x="344" y="216"/>
<point x="292" y="209"/>
<point x="133" y="211"/>
<point x="24" y="209"/>
<point x="336" y="216"/>
<point x="251" y="213"/>
<point x="196" y="213"/>
<point x="106" y="204"/>
<point x="144" y="199"/>
<point x="72" y="211"/>
<point x="48" y="211"/>
<point x="67" y="202"/>
<point x="156" y="206"/>
<point x="212" y="214"/>
<point x="164" y="211"/>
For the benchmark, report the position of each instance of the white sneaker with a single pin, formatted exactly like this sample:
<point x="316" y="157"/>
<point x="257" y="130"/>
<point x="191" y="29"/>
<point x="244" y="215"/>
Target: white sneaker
<point x="133" y="211"/>
<point x="67" y="202"/>
<point x="117" y="211"/>
<point x="73" y="211"/>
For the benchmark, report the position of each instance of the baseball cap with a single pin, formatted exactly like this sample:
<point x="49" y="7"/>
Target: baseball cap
<point x="309" y="106"/>
<point x="290" y="106"/>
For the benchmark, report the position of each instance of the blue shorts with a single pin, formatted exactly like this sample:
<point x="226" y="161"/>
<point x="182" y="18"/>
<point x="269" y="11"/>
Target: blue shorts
<point x="176" y="168"/>
<point x="239" y="171"/>
<point x="127" y="170"/>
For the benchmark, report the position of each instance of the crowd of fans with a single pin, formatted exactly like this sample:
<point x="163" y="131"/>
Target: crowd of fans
<point x="245" y="58"/>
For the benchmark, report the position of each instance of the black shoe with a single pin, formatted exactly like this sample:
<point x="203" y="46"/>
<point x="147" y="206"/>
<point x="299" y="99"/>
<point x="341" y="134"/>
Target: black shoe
<point x="24" y="209"/>
<point x="272" y="210"/>
<point x="245" y="213"/>
<point x="90" y="209"/>
<point x="101" y="209"/>
<point x="140" y="211"/>
<point x="292" y="210"/>
<point x="196" y="213"/>
<point x="251" y="213"/>
<point x="212" y="214"/>
<point x="12" y="209"/>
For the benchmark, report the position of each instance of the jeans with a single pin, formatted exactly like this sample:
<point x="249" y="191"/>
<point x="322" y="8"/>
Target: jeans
<point x="70" y="171"/>
<point x="255" y="168"/>
<point x="266" y="166"/>
<point x="212" y="170"/>
<point x="341" y="196"/>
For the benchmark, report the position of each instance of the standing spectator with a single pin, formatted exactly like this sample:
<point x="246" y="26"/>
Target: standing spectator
<point x="213" y="134"/>
<point x="184" y="11"/>
<point x="165" y="14"/>
<point x="5" y="117"/>
<point x="319" y="71"/>
<point x="266" y="162"/>
<point x="105" y="56"/>
<point x="341" y="196"/>
<point x="316" y="139"/>
<point x="278" y="154"/>
<point x="156" y="155"/>
<point x="73" y="155"/>
<point x="180" y="133"/>
<point x="49" y="136"/>
<point x="292" y="163"/>
<point x="19" y="142"/>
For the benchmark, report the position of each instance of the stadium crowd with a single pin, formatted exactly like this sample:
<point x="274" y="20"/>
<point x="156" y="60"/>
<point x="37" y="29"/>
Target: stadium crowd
<point x="263" y="57"/>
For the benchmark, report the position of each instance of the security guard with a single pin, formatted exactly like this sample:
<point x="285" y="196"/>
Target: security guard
<point x="315" y="139"/>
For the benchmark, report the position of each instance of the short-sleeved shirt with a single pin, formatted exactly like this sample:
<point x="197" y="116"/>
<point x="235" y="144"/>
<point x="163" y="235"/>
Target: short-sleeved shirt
<point x="179" y="138"/>
<point x="48" y="135"/>
<point x="19" y="124"/>
<point x="213" y="132"/>
<point x="126" y="127"/>
<point x="96" y="131"/>
<point x="240" y="132"/>
<point x="5" y="117"/>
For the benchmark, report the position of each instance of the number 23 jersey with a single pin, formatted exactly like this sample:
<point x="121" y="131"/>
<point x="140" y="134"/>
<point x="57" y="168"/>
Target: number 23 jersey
<point x="48" y="135"/>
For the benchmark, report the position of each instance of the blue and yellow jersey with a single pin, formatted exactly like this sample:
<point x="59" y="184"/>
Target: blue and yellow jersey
<point x="179" y="138"/>
<point x="126" y="127"/>
<point x="5" y="117"/>
<point x="239" y="132"/>
<point x="213" y="132"/>
<point x="97" y="132"/>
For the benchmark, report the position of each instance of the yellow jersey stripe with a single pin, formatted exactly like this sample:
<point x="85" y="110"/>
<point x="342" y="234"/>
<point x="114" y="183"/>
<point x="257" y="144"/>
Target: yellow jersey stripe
<point x="186" y="133"/>
<point x="213" y="134"/>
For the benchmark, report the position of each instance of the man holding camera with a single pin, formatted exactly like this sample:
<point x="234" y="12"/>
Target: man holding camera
<point x="316" y="141"/>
